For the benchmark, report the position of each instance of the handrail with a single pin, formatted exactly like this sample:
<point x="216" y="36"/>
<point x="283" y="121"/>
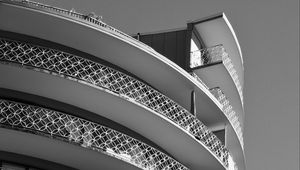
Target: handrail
<point x="87" y="134"/>
<point x="98" y="75"/>
<point x="89" y="18"/>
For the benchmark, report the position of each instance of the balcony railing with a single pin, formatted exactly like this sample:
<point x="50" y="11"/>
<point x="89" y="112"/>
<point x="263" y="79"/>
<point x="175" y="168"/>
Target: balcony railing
<point x="226" y="108"/>
<point x="90" y="18"/>
<point x="206" y="56"/>
<point x="229" y="112"/>
<point x="216" y="54"/>
<point x="54" y="124"/>
<point x="102" y="77"/>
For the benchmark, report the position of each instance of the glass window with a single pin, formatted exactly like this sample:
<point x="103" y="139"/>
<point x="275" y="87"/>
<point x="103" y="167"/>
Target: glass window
<point x="195" y="55"/>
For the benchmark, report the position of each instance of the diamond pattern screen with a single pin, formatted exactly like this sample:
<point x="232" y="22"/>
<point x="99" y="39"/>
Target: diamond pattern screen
<point x="88" y="134"/>
<point x="96" y="74"/>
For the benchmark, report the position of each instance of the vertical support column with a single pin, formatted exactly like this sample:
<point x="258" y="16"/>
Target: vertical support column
<point x="226" y="134"/>
<point x="193" y="103"/>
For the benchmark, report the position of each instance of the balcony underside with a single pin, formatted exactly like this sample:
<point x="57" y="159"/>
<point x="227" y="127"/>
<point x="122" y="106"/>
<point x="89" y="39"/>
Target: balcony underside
<point x="128" y="113"/>
<point x="145" y="63"/>
<point x="216" y="75"/>
<point x="57" y="151"/>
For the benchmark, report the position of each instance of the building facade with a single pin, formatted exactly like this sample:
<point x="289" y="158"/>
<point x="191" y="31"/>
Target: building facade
<point x="76" y="93"/>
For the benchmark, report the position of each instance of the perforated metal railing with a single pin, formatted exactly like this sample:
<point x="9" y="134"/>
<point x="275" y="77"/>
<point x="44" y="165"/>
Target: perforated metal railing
<point x="226" y="108"/>
<point x="229" y="112"/>
<point x="230" y="67"/>
<point x="90" y="18"/>
<point x="85" y="133"/>
<point x="83" y="70"/>
<point x="216" y="54"/>
<point x="205" y="56"/>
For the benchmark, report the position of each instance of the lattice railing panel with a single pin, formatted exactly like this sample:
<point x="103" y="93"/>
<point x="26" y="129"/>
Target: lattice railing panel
<point x="230" y="67"/>
<point x="88" y="134"/>
<point x="205" y="56"/>
<point x="229" y="112"/>
<point x="75" y="67"/>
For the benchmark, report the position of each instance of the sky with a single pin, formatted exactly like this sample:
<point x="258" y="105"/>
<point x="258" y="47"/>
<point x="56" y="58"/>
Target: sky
<point x="268" y="32"/>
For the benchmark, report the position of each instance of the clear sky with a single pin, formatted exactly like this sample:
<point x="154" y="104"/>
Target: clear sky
<point x="268" y="32"/>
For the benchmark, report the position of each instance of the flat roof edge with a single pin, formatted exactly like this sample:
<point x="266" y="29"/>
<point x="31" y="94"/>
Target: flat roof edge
<point x="207" y="18"/>
<point x="204" y="19"/>
<point x="160" y="31"/>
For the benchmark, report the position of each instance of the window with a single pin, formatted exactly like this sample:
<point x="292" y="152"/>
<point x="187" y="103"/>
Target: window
<point x="195" y="55"/>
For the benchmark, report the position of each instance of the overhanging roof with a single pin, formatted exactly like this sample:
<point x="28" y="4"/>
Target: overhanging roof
<point x="216" y="30"/>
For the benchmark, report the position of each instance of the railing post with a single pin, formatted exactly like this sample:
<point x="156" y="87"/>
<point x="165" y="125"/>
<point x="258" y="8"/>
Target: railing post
<point x="138" y="36"/>
<point x="193" y="103"/>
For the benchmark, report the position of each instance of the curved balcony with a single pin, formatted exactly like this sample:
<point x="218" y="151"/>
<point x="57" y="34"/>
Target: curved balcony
<point x="101" y="41"/>
<point x="213" y="55"/>
<point x="53" y="124"/>
<point x="218" y="30"/>
<point x="99" y="76"/>
<point x="88" y="19"/>
<point x="235" y="141"/>
<point x="227" y="108"/>
<point x="214" y="68"/>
